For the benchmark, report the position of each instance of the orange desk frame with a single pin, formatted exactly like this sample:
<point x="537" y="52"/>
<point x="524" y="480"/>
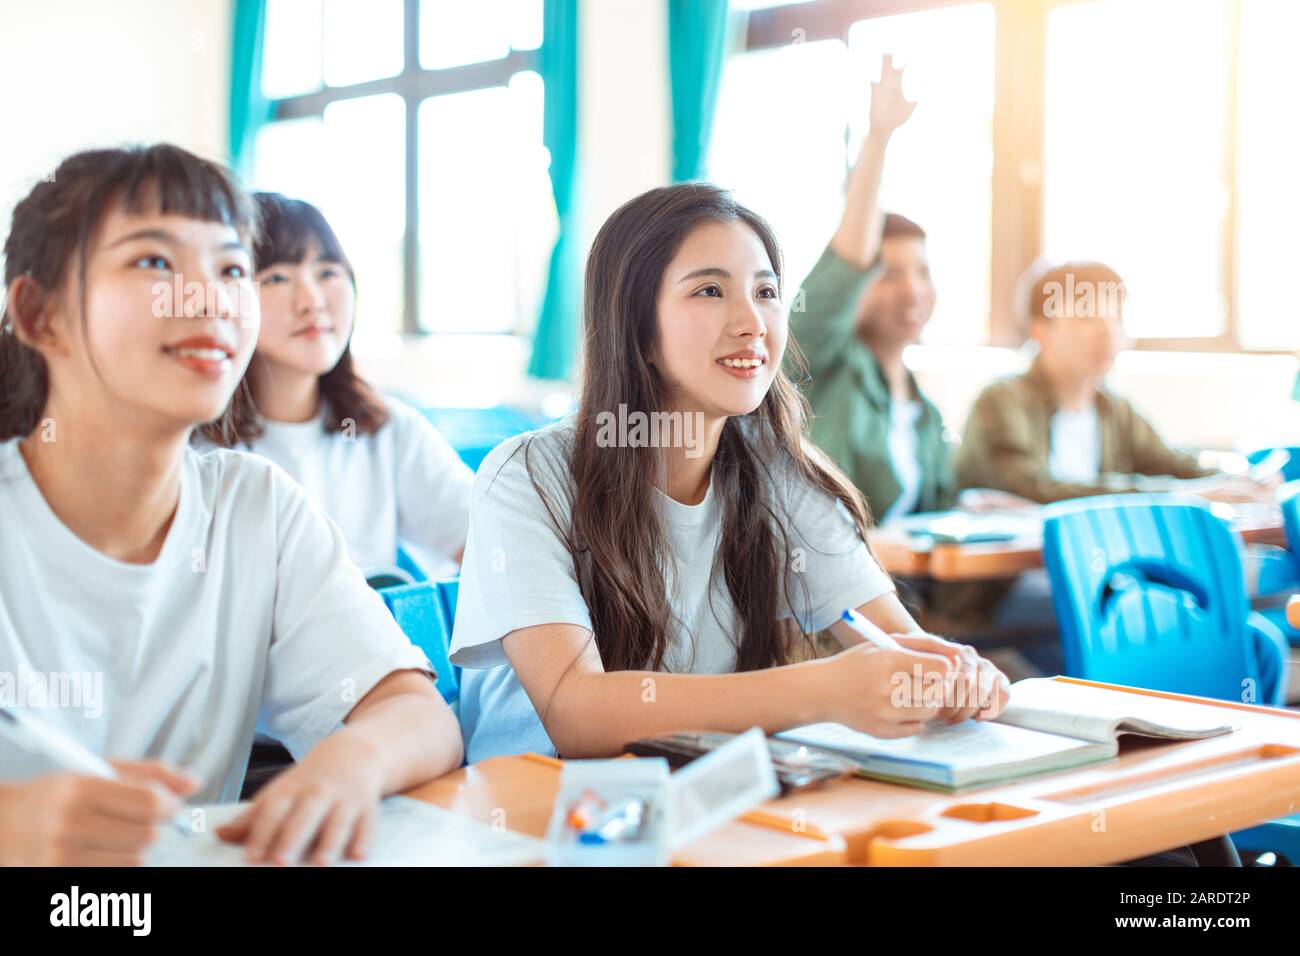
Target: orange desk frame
<point x="1154" y="796"/>
<point x="899" y="553"/>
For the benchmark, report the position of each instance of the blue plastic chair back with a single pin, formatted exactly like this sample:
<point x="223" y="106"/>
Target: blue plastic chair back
<point x="419" y="611"/>
<point x="448" y="590"/>
<point x="474" y="432"/>
<point x="1279" y="569"/>
<point x="1148" y="591"/>
<point x="1290" y="471"/>
<point x="1288" y="499"/>
<point x="408" y="564"/>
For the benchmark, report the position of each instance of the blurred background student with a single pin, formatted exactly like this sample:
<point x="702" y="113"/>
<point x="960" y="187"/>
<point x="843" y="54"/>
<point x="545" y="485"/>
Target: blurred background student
<point x="867" y="298"/>
<point x="1057" y="431"/>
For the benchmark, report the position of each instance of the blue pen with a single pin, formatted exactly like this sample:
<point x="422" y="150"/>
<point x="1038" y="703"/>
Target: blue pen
<point x="620" y="822"/>
<point x="869" y="631"/>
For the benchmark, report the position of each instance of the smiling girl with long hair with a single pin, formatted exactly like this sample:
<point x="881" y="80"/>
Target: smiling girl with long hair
<point x="615" y="591"/>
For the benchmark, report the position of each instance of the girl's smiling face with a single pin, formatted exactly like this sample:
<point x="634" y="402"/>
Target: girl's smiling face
<point x="721" y="324"/>
<point x="170" y="319"/>
<point x="307" y="313"/>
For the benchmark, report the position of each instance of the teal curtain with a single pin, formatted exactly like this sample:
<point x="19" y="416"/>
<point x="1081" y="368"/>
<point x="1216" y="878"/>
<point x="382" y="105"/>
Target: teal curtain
<point x="697" y="47"/>
<point x="248" y="108"/>
<point x="555" y="345"/>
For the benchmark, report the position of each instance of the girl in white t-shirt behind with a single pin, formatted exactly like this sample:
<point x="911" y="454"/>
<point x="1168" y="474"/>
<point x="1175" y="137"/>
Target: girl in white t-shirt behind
<point x="377" y="467"/>
<point x="175" y="601"/>
<point x="617" y="584"/>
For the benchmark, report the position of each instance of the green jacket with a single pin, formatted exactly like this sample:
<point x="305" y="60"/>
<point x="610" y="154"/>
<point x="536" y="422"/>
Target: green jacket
<point x="849" y="395"/>
<point x="1007" y="444"/>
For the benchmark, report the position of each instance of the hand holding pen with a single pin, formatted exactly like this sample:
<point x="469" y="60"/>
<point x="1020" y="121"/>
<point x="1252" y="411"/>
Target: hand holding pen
<point x="972" y="687"/>
<point x="92" y="812"/>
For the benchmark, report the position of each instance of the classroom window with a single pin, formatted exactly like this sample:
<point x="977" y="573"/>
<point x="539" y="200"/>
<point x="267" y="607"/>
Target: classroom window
<point x="487" y="221"/>
<point x="940" y="170"/>
<point x="455" y="33"/>
<point x="1134" y="160"/>
<point x="1154" y="135"/>
<point x="362" y="41"/>
<point x="778" y="142"/>
<point x="1268" y="144"/>
<point x="293" y="48"/>
<point x="416" y="126"/>
<point x="356" y="179"/>
<point x="796" y="113"/>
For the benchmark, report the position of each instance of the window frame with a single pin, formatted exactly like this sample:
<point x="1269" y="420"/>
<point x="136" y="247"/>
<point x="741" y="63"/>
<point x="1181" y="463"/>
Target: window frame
<point x="1018" y="142"/>
<point x="414" y="84"/>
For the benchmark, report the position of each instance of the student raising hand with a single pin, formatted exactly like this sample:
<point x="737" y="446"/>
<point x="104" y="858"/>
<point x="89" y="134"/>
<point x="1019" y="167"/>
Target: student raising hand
<point x="889" y="108"/>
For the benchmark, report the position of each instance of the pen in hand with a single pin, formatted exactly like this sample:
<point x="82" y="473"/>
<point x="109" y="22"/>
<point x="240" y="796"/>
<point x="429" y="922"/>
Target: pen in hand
<point x="40" y="739"/>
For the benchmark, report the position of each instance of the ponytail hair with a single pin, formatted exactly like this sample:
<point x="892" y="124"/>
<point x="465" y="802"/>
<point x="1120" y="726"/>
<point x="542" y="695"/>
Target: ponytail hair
<point x="54" y="227"/>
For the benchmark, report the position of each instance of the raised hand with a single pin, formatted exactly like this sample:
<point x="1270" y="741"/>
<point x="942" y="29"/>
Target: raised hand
<point x="889" y="108"/>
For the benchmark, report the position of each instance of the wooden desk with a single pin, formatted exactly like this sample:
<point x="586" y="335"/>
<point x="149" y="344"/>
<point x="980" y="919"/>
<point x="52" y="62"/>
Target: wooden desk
<point x="918" y="556"/>
<point x="1154" y="796"/>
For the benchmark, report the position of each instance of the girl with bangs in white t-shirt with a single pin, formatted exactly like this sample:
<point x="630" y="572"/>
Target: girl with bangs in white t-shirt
<point x="158" y="605"/>
<point x="660" y="561"/>
<point x="376" y="466"/>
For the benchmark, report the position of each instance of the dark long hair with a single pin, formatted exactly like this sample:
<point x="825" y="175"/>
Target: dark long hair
<point x="54" y="227"/>
<point x="617" y="538"/>
<point x="289" y="229"/>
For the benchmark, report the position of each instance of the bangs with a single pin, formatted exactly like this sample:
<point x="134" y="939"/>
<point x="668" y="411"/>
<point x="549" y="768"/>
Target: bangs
<point x="168" y="180"/>
<point x="289" y="229"/>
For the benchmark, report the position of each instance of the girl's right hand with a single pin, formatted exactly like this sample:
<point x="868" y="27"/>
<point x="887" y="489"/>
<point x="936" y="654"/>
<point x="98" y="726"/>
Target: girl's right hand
<point x="877" y="691"/>
<point x="66" y="819"/>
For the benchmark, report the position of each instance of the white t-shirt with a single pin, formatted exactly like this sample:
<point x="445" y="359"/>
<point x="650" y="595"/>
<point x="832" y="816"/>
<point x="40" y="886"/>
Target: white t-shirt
<point x="903" y="457"/>
<point x="1075" y="446"/>
<point x="252" y="615"/>
<point x="403" y="484"/>
<point x="517" y="574"/>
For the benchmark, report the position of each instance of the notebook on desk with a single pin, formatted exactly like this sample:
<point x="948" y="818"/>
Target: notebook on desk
<point x="1047" y="725"/>
<point x="963" y="527"/>
<point x="410" y="833"/>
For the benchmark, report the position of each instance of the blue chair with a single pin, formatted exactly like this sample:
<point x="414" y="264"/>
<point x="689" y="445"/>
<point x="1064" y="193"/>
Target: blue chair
<point x="419" y="611"/>
<point x="1290" y="471"/>
<point x="474" y="432"/>
<point x="1279" y="572"/>
<point x="1148" y="591"/>
<point x="407" y="564"/>
<point x="448" y="590"/>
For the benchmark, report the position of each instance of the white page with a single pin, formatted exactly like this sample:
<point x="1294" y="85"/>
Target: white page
<point x="1095" y="713"/>
<point x="410" y="833"/>
<point x="963" y="746"/>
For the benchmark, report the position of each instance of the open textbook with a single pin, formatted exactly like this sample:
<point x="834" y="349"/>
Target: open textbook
<point x="410" y="833"/>
<point x="1047" y="725"/>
